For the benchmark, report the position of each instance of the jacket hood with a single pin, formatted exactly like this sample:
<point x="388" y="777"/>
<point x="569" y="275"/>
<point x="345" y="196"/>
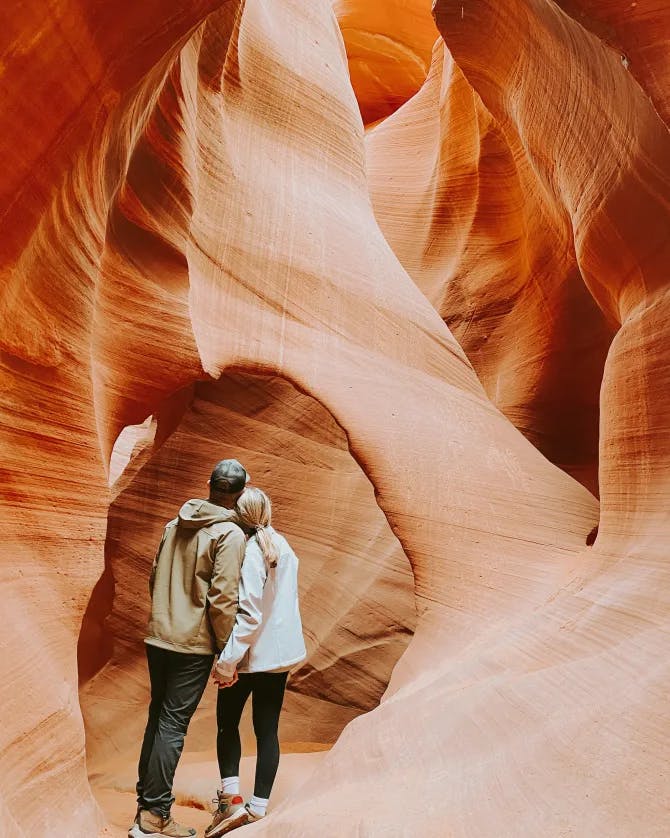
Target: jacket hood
<point x="195" y="514"/>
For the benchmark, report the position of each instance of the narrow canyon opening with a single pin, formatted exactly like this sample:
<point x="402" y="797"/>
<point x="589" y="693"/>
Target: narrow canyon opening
<point x="356" y="584"/>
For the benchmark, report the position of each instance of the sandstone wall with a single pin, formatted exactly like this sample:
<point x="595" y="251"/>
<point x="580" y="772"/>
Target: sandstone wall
<point x="357" y="595"/>
<point x="472" y="222"/>
<point x="188" y="195"/>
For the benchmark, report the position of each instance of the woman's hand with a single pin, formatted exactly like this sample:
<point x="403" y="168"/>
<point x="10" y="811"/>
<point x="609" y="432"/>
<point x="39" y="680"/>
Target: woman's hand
<point x="223" y="678"/>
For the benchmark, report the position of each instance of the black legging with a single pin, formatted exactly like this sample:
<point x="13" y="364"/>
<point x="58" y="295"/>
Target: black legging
<point x="267" y="691"/>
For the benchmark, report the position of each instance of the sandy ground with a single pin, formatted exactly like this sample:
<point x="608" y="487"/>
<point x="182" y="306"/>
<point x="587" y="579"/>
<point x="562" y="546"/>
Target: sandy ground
<point x="195" y="787"/>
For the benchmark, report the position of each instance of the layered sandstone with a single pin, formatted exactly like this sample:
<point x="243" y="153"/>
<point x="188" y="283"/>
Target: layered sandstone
<point x="388" y="49"/>
<point x="357" y="594"/>
<point x="188" y="198"/>
<point x="471" y="221"/>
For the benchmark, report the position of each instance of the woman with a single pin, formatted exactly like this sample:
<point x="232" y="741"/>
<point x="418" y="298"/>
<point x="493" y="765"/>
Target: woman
<point x="264" y="644"/>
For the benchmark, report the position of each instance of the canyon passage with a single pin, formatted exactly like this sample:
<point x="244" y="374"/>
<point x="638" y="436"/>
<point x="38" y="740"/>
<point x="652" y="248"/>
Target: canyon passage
<point x="409" y="262"/>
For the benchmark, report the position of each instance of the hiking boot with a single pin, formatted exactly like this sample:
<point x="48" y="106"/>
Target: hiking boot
<point x="149" y="825"/>
<point x="230" y="814"/>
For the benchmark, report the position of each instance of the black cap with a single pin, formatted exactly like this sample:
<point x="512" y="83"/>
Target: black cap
<point x="228" y="477"/>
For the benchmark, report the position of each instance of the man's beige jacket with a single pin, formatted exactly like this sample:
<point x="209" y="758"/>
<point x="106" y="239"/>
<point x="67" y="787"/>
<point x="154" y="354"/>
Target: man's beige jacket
<point x="195" y="580"/>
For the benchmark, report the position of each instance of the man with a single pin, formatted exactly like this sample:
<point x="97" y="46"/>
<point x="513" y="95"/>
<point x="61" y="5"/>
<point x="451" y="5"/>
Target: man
<point x="194" y="592"/>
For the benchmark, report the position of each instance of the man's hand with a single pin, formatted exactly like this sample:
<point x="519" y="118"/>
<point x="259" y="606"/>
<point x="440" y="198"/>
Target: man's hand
<point x="223" y="679"/>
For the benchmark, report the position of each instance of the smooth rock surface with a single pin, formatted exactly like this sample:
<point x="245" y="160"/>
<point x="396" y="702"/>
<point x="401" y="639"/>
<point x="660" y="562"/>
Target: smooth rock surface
<point x="388" y="48"/>
<point x="357" y="595"/>
<point x="473" y="225"/>
<point x="186" y="195"/>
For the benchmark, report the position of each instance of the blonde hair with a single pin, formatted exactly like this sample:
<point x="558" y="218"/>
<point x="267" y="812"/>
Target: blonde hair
<point x="255" y="510"/>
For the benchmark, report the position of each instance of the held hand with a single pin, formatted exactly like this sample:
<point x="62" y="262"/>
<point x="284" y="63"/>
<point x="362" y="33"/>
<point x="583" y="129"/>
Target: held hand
<point x="223" y="679"/>
<point x="224" y="684"/>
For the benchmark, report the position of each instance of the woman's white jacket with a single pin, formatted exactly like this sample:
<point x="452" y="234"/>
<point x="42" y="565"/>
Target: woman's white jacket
<point x="267" y="635"/>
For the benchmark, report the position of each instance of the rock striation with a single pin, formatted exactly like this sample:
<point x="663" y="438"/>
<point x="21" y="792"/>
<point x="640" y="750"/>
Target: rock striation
<point x="357" y="593"/>
<point x="197" y="230"/>
<point x="388" y="47"/>
<point x="473" y="224"/>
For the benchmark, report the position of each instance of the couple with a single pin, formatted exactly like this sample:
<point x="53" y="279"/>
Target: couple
<point x="224" y="583"/>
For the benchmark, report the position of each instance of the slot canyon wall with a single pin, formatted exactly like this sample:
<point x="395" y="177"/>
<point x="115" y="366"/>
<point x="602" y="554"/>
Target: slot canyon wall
<point x="459" y="313"/>
<point x="356" y="584"/>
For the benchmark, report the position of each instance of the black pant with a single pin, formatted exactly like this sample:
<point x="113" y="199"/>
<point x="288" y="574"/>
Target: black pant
<point x="267" y="691"/>
<point x="177" y="683"/>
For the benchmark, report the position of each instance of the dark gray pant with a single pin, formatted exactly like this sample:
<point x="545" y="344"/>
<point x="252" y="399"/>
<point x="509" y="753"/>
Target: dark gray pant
<point x="177" y="683"/>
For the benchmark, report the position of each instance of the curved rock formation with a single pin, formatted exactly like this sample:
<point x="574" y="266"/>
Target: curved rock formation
<point x="357" y="593"/>
<point x="640" y="33"/>
<point x="388" y="48"/>
<point x="610" y="173"/>
<point x="474" y="226"/>
<point x="199" y="207"/>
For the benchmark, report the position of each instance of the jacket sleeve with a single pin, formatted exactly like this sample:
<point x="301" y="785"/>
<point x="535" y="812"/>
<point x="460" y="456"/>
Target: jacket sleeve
<point x="152" y="577"/>
<point x="249" y="613"/>
<point x="223" y="591"/>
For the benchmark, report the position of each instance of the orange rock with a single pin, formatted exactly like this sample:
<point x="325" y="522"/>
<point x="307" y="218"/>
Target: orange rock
<point x="357" y="596"/>
<point x="604" y="155"/>
<point x="640" y="33"/>
<point x="215" y="219"/>
<point x="388" y="48"/>
<point x="473" y="225"/>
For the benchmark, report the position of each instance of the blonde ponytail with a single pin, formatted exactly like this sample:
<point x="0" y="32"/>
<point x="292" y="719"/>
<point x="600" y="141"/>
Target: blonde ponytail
<point x="255" y="510"/>
<point x="266" y="544"/>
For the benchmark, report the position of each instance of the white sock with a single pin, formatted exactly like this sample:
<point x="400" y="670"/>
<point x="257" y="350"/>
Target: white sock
<point x="258" y="805"/>
<point x="230" y="785"/>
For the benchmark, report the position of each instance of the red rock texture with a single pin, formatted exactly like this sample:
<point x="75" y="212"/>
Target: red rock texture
<point x="474" y="226"/>
<point x="357" y="593"/>
<point x="188" y="195"/>
<point x="388" y="51"/>
<point x="640" y="33"/>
